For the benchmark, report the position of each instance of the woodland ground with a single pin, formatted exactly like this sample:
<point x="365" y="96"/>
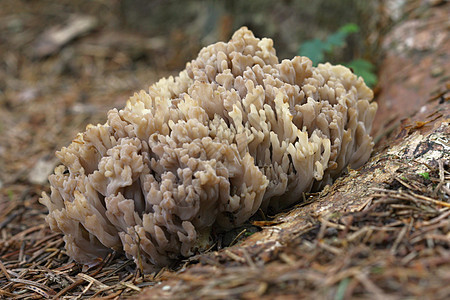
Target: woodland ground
<point x="385" y="235"/>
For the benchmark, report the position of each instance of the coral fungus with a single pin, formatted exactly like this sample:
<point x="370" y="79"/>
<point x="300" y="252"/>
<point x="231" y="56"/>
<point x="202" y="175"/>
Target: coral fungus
<point x="234" y="132"/>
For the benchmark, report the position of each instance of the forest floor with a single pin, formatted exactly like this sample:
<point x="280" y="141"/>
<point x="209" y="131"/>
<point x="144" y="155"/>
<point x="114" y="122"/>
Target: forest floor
<point x="386" y="233"/>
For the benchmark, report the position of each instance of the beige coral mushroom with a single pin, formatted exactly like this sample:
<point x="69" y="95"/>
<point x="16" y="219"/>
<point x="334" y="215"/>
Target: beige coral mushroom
<point x="235" y="132"/>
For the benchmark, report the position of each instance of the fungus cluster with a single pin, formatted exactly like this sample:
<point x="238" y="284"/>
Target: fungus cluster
<point x="234" y="132"/>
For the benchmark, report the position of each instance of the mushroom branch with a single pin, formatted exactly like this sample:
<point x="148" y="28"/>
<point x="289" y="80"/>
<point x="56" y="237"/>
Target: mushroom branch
<point x="235" y="132"/>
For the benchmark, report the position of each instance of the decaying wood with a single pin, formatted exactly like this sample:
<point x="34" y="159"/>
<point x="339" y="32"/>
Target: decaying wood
<point x="415" y="67"/>
<point x="56" y="37"/>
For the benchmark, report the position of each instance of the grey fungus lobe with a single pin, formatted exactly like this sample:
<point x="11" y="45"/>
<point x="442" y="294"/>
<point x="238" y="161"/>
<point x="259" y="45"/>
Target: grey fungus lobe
<point x="234" y="132"/>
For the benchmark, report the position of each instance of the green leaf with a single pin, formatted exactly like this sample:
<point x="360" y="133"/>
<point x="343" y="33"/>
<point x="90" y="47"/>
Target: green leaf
<point x="362" y="64"/>
<point x="342" y="287"/>
<point x="365" y="69"/>
<point x="425" y="175"/>
<point x="314" y="50"/>
<point x="335" y="40"/>
<point x="349" y="28"/>
<point x="338" y="38"/>
<point x="10" y="195"/>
